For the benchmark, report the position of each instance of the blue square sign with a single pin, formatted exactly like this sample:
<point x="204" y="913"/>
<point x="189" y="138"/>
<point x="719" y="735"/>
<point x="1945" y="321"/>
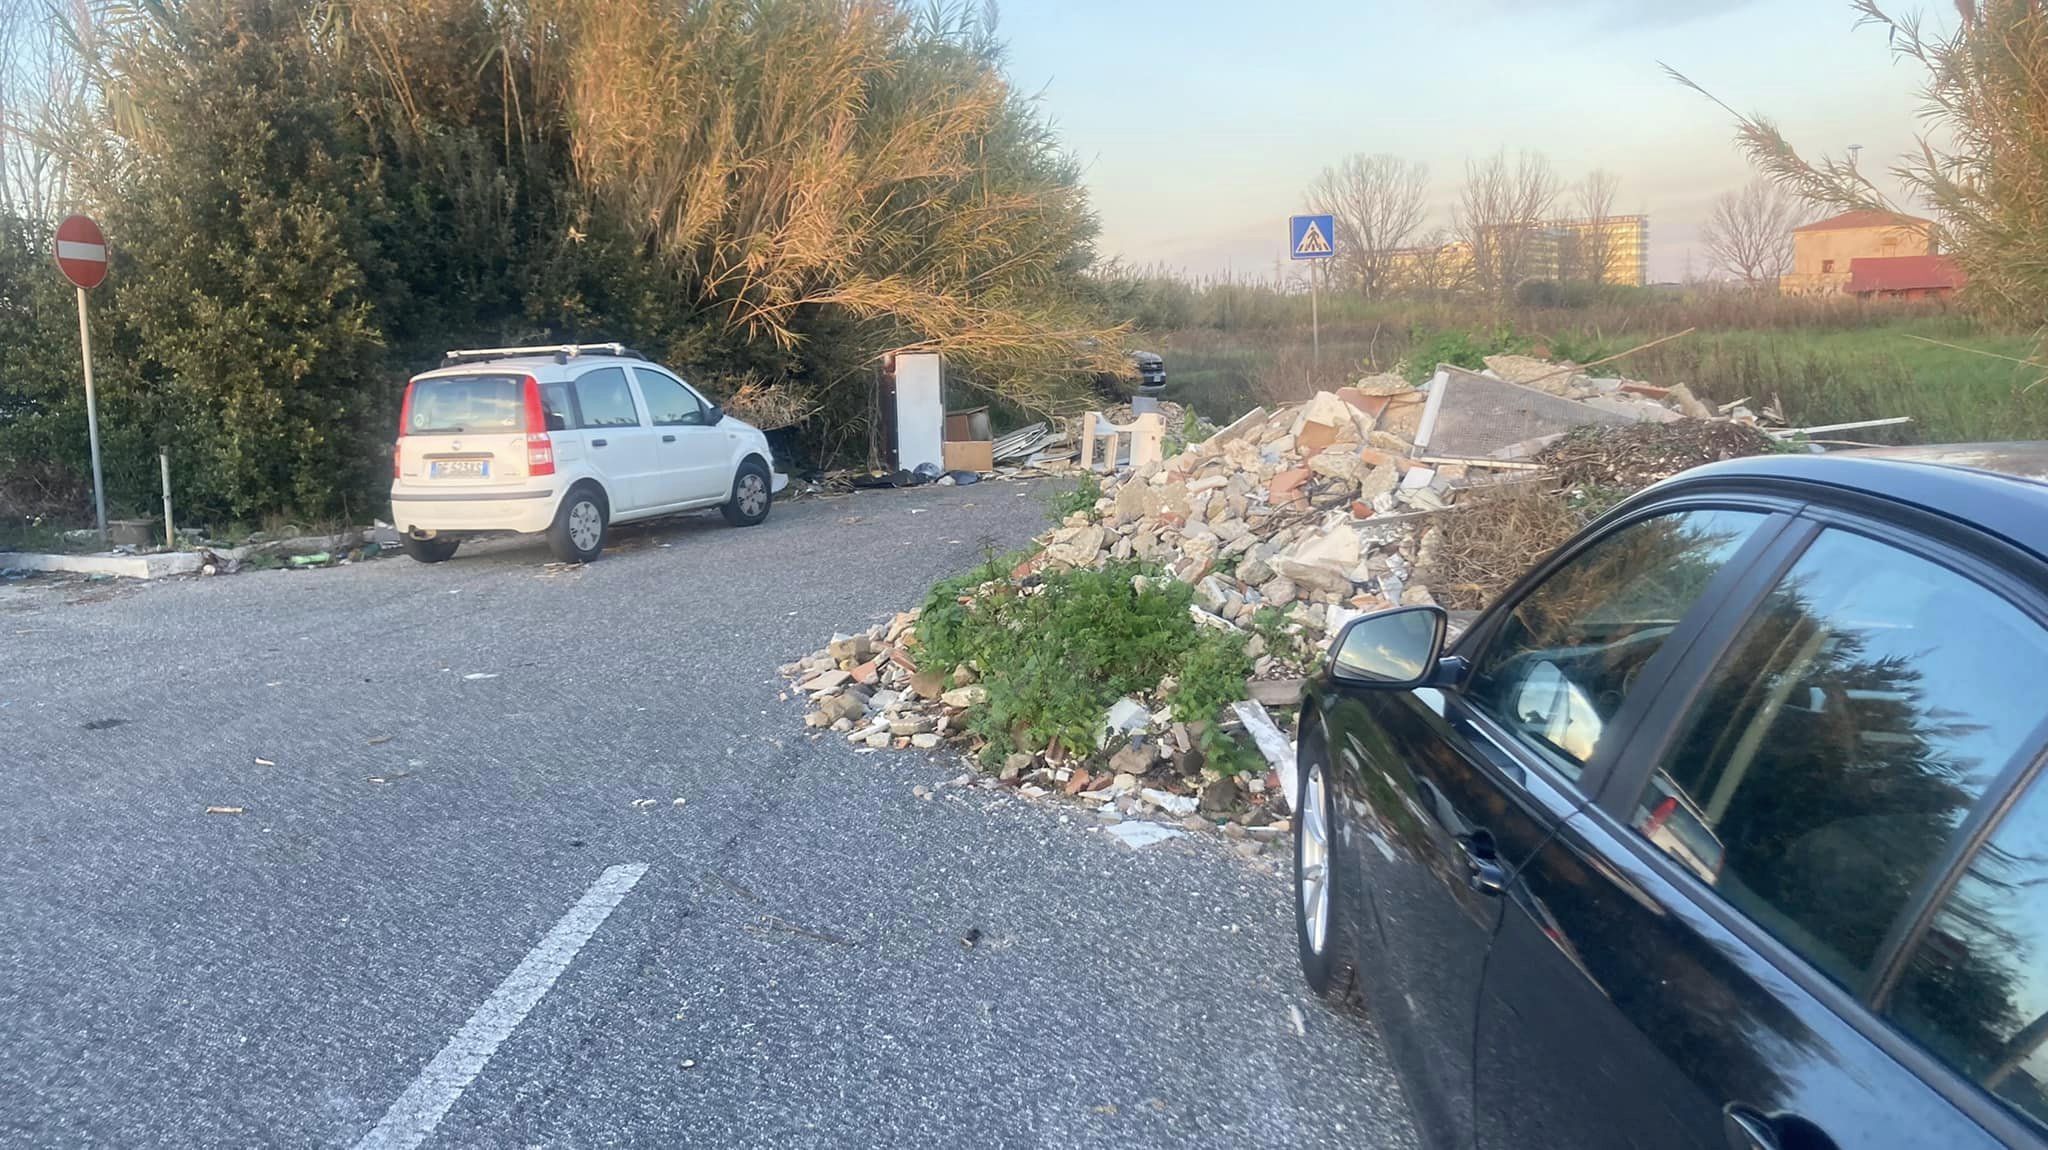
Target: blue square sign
<point x="1311" y="237"/>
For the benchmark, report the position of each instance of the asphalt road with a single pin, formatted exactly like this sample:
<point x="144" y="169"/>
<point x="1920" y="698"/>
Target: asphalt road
<point x="788" y="970"/>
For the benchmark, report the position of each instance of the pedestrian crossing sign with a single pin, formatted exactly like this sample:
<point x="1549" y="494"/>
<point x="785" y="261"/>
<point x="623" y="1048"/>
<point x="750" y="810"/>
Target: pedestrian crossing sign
<point x="1309" y="237"/>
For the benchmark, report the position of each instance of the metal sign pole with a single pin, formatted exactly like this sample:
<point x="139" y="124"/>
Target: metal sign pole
<point x="92" y="420"/>
<point x="1315" y="322"/>
<point x="163" y="457"/>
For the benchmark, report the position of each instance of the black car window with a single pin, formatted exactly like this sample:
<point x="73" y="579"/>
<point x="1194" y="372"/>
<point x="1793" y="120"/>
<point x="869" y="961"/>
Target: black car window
<point x="670" y="403"/>
<point x="560" y="407"/>
<point x="605" y="399"/>
<point x="1568" y="653"/>
<point x="1843" y="738"/>
<point x="1975" y="987"/>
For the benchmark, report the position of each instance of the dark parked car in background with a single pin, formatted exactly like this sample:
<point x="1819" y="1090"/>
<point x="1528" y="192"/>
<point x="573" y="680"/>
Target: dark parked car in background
<point x="1151" y="372"/>
<point x="1725" y="827"/>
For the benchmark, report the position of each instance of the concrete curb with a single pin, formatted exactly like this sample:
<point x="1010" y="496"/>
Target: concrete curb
<point x="126" y="566"/>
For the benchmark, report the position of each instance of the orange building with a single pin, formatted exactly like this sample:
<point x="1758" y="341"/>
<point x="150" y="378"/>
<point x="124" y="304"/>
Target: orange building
<point x="1823" y="250"/>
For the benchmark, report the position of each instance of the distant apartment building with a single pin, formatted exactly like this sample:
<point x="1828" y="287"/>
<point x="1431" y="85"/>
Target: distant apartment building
<point x="1876" y="255"/>
<point x="1567" y="250"/>
<point x="1445" y="267"/>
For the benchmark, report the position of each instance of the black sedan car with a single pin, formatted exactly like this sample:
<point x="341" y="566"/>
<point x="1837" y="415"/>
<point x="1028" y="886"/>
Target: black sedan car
<point x="1725" y="827"/>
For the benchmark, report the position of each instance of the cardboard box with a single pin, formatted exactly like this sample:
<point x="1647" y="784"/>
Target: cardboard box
<point x="971" y="455"/>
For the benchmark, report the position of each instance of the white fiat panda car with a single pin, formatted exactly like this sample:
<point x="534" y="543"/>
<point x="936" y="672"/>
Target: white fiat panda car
<point x="566" y="441"/>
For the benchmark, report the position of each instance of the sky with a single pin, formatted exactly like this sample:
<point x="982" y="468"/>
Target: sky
<point x="1200" y="123"/>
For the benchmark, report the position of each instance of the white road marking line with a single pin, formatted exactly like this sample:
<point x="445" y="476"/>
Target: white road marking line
<point x="413" y="1117"/>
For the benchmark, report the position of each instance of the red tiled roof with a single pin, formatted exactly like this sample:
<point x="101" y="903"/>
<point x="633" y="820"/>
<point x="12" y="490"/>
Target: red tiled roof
<point x="1903" y="273"/>
<point x="1861" y="219"/>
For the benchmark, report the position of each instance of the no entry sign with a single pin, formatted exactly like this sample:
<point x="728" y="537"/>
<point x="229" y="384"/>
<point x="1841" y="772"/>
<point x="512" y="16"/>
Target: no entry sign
<point x="82" y="251"/>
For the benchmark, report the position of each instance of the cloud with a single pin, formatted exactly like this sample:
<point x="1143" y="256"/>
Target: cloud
<point x="1627" y="15"/>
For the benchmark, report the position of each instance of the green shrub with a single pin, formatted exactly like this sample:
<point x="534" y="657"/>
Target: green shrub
<point x="1466" y="349"/>
<point x="1055" y="656"/>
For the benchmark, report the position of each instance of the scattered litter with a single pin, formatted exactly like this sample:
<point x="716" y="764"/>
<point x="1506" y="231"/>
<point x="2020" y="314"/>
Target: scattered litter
<point x="689" y="1063"/>
<point x="266" y="762"/>
<point x="1300" y="1023"/>
<point x="1172" y="804"/>
<point x="643" y="804"/>
<point x="972" y="936"/>
<point x="1125" y="716"/>
<point x="103" y="724"/>
<point x="316" y="559"/>
<point x="1139" y="835"/>
<point x="1277" y="748"/>
<point x="678" y="802"/>
<point x="224" y="810"/>
<point x="379" y="740"/>
<point x="481" y="675"/>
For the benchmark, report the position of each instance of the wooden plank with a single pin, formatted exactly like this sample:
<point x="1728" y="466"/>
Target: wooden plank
<point x="1481" y="461"/>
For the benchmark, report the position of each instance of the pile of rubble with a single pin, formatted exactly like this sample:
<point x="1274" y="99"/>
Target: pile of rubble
<point x="869" y="688"/>
<point x="1293" y="510"/>
<point x="1311" y="509"/>
<point x="1286" y="524"/>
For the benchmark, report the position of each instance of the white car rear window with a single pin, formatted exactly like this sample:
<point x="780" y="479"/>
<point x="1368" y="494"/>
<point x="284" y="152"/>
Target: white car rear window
<point x="466" y="404"/>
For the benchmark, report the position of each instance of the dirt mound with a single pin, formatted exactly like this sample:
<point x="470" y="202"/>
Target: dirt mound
<point x="1638" y="455"/>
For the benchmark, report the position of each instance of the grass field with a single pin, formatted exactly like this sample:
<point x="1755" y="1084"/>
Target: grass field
<point x="1821" y="375"/>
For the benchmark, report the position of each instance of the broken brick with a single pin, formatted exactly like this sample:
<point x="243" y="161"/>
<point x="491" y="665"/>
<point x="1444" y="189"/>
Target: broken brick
<point x="1314" y="437"/>
<point x="1286" y="487"/>
<point x="1368" y="405"/>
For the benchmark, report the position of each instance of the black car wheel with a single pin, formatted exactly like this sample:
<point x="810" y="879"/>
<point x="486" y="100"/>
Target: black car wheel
<point x="753" y="492"/>
<point x="439" y="549"/>
<point x="1324" y="930"/>
<point x="577" y="535"/>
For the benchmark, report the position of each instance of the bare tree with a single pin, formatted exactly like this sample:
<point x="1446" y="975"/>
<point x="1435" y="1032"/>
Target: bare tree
<point x="1498" y="214"/>
<point x="1749" y="234"/>
<point x="1378" y="204"/>
<point x="1595" y="198"/>
<point x="39" y="77"/>
<point x="1433" y="266"/>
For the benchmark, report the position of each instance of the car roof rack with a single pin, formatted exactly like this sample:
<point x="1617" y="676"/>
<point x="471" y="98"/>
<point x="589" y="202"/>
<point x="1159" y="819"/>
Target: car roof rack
<point x="563" y="352"/>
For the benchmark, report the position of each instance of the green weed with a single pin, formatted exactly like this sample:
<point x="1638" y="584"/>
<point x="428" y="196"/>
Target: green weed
<point x="1055" y="656"/>
<point x="1466" y="349"/>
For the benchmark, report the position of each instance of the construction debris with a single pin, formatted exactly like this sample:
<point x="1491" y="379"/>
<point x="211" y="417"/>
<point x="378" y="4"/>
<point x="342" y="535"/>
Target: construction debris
<point x="1630" y="458"/>
<point x="1285" y="524"/>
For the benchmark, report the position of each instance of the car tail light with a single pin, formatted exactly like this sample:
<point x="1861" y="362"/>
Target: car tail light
<point x="404" y="421"/>
<point x="1660" y="814"/>
<point x="540" y="450"/>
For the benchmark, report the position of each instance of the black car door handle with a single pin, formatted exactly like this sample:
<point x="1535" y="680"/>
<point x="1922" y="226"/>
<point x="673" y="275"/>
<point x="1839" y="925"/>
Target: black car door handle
<point x="1483" y="872"/>
<point x="1746" y="1129"/>
<point x="597" y="443"/>
<point x="668" y="439"/>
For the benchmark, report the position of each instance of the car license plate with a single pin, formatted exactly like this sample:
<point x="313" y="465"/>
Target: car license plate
<point x="460" y="469"/>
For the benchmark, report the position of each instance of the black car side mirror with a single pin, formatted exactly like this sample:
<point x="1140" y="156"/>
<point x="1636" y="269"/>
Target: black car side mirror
<point x="1390" y="650"/>
<point x="712" y="414"/>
